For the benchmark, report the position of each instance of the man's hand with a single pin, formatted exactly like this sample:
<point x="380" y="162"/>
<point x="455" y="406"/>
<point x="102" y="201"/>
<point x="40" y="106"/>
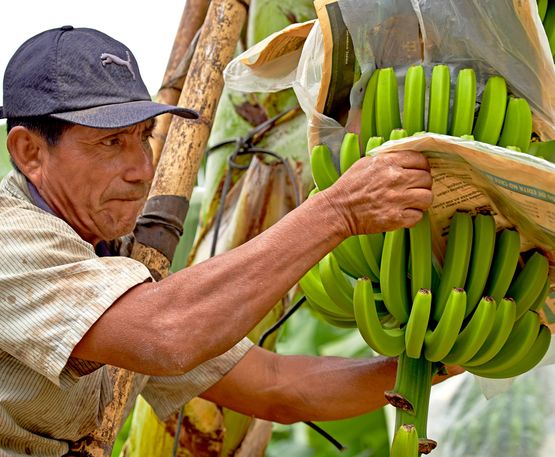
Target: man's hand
<point x="382" y="193"/>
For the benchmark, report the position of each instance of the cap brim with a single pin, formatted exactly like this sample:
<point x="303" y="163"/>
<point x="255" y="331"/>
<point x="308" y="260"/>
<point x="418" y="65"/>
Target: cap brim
<point x="122" y="114"/>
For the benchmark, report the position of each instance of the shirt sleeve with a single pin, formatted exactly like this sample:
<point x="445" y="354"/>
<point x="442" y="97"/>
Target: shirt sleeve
<point x="53" y="287"/>
<point x="166" y="394"/>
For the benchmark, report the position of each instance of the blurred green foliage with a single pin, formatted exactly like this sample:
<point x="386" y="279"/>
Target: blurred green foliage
<point x="5" y="165"/>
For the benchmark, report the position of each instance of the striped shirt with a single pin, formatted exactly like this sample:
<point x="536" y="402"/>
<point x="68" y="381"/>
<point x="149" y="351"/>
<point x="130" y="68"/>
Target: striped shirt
<point x="53" y="287"/>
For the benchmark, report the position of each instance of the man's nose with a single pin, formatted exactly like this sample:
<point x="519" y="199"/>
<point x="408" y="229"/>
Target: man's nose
<point x="139" y="167"/>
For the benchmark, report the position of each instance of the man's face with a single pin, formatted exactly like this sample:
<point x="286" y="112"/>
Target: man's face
<point x="97" y="180"/>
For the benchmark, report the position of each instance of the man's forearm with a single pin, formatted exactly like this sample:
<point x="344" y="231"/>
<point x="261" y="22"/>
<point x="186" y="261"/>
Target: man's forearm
<point x="295" y="388"/>
<point x="172" y="326"/>
<point x="331" y="388"/>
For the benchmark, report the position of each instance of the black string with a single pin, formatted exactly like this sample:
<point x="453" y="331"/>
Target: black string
<point x="326" y="435"/>
<point x="281" y="321"/>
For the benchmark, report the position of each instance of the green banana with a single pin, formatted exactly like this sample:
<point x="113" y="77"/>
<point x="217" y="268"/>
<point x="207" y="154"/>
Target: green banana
<point x="503" y="267"/>
<point x="438" y="110"/>
<point x="371" y="246"/>
<point x="492" y="111"/>
<point x="368" y="110"/>
<point x="439" y="342"/>
<point x="323" y="169"/>
<point x="542" y="297"/>
<point x="502" y="326"/>
<point x="373" y="142"/>
<point x="387" y="103"/>
<point x="349" y="152"/>
<point x="343" y="255"/>
<point x="389" y="342"/>
<point x="415" y="330"/>
<point x="420" y="237"/>
<point x="529" y="283"/>
<point x="414" y="99"/>
<point x="534" y="356"/>
<point x="474" y="335"/>
<point x="336" y="285"/>
<point x="456" y="260"/>
<point x="311" y="286"/>
<point x="342" y="322"/>
<point x="522" y="337"/>
<point x="517" y="127"/>
<point x="464" y="103"/>
<point x="467" y="137"/>
<point x="405" y="442"/>
<point x="351" y="259"/>
<point x="513" y="148"/>
<point x="393" y="274"/>
<point x="483" y="244"/>
<point x="542" y="8"/>
<point x="397" y="134"/>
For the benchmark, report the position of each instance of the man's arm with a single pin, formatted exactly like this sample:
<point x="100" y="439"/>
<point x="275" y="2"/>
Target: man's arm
<point x="169" y="327"/>
<point x="293" y="388"/>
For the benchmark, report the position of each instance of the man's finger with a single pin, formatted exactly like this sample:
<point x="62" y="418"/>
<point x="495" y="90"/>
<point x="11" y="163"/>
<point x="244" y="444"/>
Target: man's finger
<point x="419" y="199"/>
<point x="410" y="217"/>
<point x="415" y="179"/>
<point x="410" y="159"/>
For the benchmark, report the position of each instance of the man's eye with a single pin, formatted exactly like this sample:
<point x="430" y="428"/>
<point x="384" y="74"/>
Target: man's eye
<point x="110" y="141"/>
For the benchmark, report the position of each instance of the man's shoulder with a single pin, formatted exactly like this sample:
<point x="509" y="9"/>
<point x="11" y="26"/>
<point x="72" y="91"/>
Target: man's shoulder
<point x="19" y="212"/>
<point x="14" y="187"/>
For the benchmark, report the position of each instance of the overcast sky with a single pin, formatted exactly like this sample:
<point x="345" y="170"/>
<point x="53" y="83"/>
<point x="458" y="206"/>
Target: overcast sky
<point x="148" y="28"/>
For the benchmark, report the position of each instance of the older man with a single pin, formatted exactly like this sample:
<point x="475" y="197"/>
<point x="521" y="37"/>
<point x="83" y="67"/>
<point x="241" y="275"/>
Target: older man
<point x="79" y="121"/>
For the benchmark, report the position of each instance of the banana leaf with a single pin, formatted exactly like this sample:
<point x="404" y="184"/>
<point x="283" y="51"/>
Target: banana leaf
<point x="269" y="16"/>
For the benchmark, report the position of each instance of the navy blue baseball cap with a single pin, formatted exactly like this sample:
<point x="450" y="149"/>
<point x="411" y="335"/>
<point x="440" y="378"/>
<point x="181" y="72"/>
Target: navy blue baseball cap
<point x="82" y="76"/>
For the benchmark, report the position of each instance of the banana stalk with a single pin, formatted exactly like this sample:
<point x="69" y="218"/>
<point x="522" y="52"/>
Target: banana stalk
<point x="411" y="396"/>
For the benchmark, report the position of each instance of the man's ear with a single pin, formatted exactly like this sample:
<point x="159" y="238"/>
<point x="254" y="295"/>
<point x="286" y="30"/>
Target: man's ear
<point x="27" y="150"/>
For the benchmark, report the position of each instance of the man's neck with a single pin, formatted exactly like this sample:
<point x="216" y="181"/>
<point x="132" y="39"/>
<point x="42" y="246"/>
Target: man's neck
<point x="101" y="248"/>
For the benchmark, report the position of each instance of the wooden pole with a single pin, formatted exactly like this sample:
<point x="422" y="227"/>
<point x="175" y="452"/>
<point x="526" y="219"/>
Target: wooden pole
<point x="192" y="19"/>
<point x="176" y="175"/>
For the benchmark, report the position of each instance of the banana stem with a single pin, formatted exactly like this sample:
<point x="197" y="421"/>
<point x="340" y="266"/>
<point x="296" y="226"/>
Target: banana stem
<point x="411" y="395"/>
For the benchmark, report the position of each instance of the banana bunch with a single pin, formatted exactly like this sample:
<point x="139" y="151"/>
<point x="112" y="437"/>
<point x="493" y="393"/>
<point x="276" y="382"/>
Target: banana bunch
<point x="478" y="308"/>
<point x="474" y="312"/>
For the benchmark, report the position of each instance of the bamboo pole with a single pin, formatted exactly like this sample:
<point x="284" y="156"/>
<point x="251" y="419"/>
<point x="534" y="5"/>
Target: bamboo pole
<point x="192" y="18"/>
<point x="176" y="174"/>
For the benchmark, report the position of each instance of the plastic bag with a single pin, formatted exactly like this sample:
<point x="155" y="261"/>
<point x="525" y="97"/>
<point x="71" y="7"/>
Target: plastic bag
<point x="502" y="37"/>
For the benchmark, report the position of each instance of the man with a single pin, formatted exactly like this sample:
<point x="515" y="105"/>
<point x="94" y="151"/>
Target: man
<point x="79" y="120"/>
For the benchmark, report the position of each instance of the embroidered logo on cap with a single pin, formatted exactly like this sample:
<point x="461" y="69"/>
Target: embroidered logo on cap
<point x="106" y="59"/>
